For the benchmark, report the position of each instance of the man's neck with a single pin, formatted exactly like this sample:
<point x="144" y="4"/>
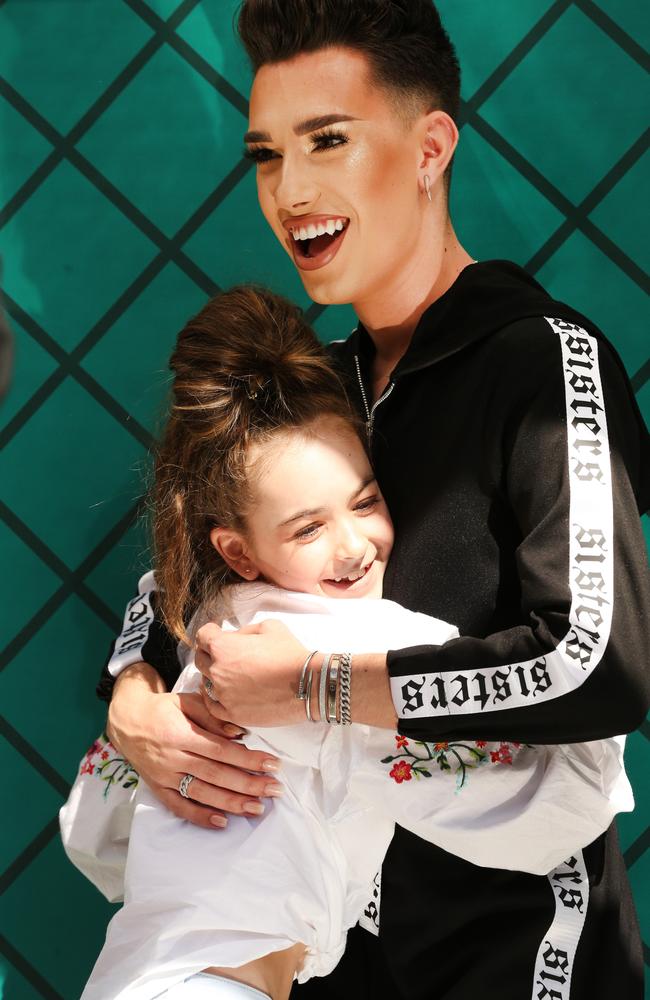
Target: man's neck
<point x="392" y="315"/>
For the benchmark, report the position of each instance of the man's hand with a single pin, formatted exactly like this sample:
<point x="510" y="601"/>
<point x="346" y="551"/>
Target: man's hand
<point x="254" y="672"/>
<point x="165" y="736"/>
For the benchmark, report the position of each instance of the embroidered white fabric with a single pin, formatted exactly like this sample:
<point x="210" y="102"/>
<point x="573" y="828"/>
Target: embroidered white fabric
<point x="303" y="872"/>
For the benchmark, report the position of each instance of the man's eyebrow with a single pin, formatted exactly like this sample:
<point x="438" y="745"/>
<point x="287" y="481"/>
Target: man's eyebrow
<point x="312" y="512"/>
<point x="322" y="121"/>
<point x="304" y="127"/>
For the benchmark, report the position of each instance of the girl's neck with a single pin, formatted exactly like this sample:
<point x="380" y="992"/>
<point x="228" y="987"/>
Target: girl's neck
<point x="391" y="315"/>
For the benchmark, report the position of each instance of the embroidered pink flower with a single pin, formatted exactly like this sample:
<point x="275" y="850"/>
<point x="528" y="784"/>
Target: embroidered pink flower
<point x="87" y="768"/>
<point x="441" y="746"/>
<point x="92" y="750"/>
<point x="105" y="755"/>
<point x="505" y="757"/>
<point x="495" y="756"/>
<point x="401" y="771"/>
<point x="480" y="743"/>
<point x="401" y="741"/>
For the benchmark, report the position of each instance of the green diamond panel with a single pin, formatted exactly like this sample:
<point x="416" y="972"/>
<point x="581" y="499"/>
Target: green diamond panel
<point x="559" y="105"/>
<point x="166" y="138"/>
<point x="48" y="49"/>
<point x="580" y="274"/>
<point x="485" y="34"/>
<point x="39" y="802"/>
<point x="59" y="929"/>
<point x="497" y="212"/>
<point x="181" y="133"/>
<point x="32" y="365"/>
<point x="209" y="30"/>
<point x="67" y="273"/>
<point x="22" y="149"/>
<point x="68" y="646"/>
<point x="114" y="579"/>
<point x="238" y="223"/>
<point x="631" y="16"/>
<point x="91" y="465"/>
<point x="132" y="360"/>
<point x="32" y="583"/>
<point x="626" y="201"/>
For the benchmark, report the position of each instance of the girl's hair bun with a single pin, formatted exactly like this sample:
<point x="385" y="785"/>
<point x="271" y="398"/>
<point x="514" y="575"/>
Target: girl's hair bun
<point x="245" y="367"/>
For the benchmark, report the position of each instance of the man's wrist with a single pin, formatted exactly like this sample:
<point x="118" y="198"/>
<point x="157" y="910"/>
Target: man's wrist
<point x="136" y="680"/>
<point x="370" y="697"/>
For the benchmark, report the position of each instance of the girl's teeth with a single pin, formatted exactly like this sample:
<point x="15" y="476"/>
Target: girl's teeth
<point x="303" y="233"/>
<point x="296" y="234"/>
<point x="312" y="232"/>
<point x="338" y="224"/>
<point x="331" y="227"/>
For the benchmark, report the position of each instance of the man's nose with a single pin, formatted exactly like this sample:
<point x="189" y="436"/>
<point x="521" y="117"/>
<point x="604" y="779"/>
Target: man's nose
<point x="296" y="189"/>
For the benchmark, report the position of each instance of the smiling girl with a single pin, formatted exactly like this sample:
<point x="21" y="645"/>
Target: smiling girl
<point x="267" y="514"/>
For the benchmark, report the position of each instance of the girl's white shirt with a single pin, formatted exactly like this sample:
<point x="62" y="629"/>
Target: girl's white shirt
<point x="305" y="870"/>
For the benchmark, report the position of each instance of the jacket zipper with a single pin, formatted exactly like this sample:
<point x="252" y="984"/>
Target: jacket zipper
<point x="370" y="411"/>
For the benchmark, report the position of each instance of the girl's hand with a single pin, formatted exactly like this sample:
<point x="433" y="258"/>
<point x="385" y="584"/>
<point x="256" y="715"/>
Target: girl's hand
<point x="165" y="736"/>
<point x="254" y="672"/>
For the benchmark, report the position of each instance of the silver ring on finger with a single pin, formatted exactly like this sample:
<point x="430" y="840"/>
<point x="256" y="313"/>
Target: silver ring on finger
<point x="184" y="784"/>
<point x="209" y="689"/>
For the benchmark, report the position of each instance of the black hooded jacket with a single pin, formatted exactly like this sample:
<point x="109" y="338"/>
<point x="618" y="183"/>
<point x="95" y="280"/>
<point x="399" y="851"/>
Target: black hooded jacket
<point x="507" y="441"/>
<point x="515" y="463"/>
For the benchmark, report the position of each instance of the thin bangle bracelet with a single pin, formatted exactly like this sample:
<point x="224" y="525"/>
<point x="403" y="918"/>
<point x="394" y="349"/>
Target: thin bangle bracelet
<point x="322" y="688"/>
<point x="302" y="690"/>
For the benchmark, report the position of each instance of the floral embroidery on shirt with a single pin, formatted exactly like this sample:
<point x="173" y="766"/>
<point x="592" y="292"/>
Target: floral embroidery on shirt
<point x="454" y="758"/>
<point x="104" y="760"/>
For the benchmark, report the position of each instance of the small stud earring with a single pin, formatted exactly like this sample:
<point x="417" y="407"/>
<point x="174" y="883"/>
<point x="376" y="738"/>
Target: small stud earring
<point x="427" y="187"/>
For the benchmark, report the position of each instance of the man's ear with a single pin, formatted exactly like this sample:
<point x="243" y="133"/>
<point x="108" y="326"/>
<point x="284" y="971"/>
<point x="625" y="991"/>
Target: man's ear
<point x="232" y="548"/>
<point x="438" y="143"/>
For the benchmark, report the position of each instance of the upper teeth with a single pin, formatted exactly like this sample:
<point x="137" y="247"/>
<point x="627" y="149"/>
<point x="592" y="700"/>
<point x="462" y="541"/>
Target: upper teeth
<point x="351" y="576"/>
<point x="311" y="231"/>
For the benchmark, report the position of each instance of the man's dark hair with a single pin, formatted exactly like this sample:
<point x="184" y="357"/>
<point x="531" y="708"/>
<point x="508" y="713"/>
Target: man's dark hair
<point x="408" y="49"/>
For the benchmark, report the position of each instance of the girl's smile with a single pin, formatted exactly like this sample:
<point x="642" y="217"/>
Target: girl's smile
<point x="318" y="523"/>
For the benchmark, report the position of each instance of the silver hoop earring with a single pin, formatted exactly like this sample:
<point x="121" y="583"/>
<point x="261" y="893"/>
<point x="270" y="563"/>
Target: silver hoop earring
<point x="427" y="187"/>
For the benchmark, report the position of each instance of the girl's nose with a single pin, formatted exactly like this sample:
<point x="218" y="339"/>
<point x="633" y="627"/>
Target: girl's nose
<point x="351" y="543"/>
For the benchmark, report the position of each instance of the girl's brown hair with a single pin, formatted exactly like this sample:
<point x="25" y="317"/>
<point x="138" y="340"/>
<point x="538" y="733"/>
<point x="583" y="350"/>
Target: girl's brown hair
<point x="246" y="367"/>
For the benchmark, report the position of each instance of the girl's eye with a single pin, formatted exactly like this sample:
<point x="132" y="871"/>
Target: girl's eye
<point x="365" y="506"/>
<point x="308" y="532"/>
<point x="259" y="154"/>
<point x="328" y="139"/>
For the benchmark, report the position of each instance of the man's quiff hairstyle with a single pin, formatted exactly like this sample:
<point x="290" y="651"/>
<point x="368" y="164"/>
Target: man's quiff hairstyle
<point x="408" y="49"/>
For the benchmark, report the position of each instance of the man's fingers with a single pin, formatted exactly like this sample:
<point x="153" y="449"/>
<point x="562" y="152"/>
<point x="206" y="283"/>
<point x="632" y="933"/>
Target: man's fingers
<point x="222" y="779"/>
<point x="220" y="798"/>
<point x="229" y="751"/>
<point x="195" y="708"/>
<point x="194" y="812"/>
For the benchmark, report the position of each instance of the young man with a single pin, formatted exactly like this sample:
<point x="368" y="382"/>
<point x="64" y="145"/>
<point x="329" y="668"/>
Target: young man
<point x="510" y="451"/>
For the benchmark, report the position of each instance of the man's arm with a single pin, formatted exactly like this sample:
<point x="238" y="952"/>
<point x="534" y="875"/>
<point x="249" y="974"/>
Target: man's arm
<point x="144" y="638"/>
<point x="165" y="736"/>
<point x="576" y="668"/>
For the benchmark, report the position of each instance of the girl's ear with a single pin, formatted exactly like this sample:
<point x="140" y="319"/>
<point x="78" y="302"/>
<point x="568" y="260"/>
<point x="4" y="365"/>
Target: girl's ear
<point x="231" y="546"/>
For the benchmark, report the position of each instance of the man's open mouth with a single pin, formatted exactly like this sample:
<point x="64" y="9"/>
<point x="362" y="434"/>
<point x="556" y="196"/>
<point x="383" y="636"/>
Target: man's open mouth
<point x="317" y="241"/>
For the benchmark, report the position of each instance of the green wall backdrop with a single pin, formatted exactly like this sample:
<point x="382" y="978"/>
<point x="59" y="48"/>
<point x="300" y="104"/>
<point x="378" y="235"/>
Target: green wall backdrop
<point x="124" y="202"/>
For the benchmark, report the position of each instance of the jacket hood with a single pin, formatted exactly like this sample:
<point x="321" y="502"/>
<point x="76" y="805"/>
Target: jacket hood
<point x="486" y="297"/>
